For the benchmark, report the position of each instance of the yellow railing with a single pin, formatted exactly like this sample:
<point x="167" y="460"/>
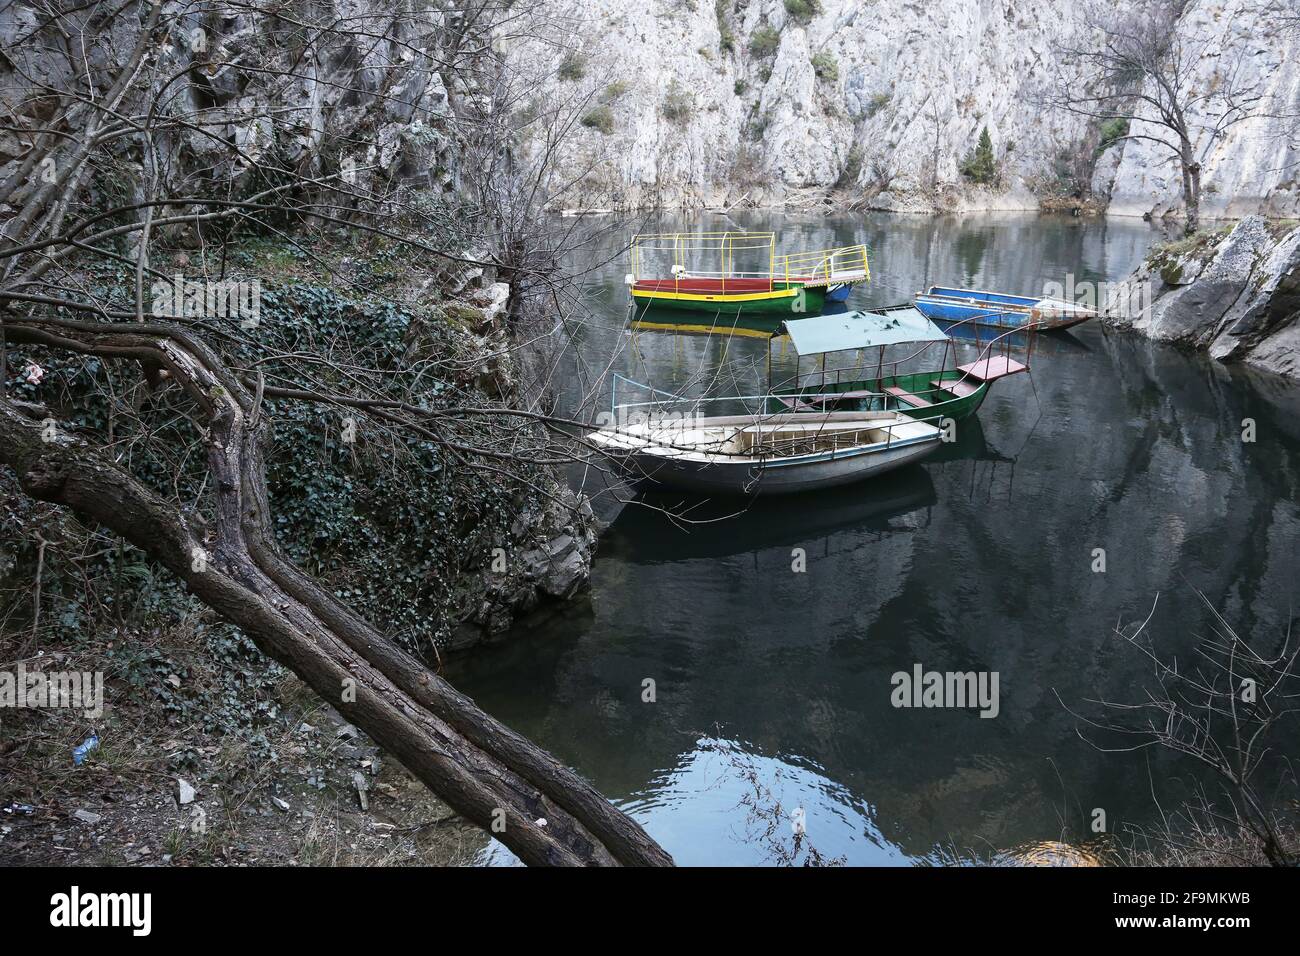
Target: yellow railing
<point x="699" y="252"/>
<point x="713" y="255"/>
<point x="825" y="263"/>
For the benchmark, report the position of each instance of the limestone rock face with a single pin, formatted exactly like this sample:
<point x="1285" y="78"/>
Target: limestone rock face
<point x="1263" y="325"/>
<point x="1253" y="167"/>
<point x="1236" y="295"/>
<point x="885" y="99"/>
<point x="714" y="102"/>
<point x="378" y="104"/>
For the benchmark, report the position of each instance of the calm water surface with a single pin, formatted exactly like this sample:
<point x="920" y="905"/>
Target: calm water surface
<point x="980" y="560"/>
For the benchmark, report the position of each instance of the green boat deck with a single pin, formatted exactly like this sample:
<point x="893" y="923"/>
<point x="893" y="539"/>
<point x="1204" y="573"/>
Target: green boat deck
<point x="952" y="393"/>
<point x="926" y="396"/>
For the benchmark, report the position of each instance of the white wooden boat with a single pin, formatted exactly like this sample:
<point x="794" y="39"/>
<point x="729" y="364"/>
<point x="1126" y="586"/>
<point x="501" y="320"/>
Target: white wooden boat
<point x="767" y="454"/>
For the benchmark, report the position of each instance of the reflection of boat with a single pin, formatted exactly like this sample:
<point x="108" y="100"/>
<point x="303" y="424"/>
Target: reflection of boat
<point x="698" y="272"/>
<point x="1000" y="311"/>
<point x="765" y="454"/>
<point x="970" y="444"/>
<point x="659" y="527"/>
<point x="651" y="319"/>
<point x="931" y="393"/>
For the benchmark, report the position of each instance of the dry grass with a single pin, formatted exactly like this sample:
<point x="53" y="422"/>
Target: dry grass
<point x="238" y="815"/>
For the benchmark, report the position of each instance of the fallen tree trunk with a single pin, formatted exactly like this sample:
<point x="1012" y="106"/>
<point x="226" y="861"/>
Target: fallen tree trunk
<point x="537" y="807"/>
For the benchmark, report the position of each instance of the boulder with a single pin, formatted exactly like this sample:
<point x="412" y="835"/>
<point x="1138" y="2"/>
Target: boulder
<point x="1268" y="309"/>
<point x="1194" y="288"/>
<point x="566" y="577"/>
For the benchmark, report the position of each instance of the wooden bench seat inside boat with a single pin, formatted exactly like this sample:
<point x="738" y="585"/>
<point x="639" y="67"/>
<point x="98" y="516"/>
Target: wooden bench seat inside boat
<point x="797" y="439"/>
<point x="959" y="387"/>
<point x="905" y="396"/>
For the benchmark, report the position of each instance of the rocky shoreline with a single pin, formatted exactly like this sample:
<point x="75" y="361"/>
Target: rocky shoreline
<point x="1233" y="293"/>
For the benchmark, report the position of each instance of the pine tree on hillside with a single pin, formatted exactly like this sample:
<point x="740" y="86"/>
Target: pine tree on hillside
<point x="980" y="166"/>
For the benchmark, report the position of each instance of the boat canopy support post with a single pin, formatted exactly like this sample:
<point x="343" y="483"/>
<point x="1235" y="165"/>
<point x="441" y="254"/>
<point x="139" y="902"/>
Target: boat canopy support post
<point x="722" y="266"/>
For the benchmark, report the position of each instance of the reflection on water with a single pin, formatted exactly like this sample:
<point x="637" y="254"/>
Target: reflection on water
<point x="979" y="560"/>
<point x="1051" y="853"/>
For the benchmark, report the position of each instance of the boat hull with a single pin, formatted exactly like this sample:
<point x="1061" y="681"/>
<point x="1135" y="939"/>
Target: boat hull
<point x="942" y="403"/>
<point x="668" y="456"/>
<point x="775" y="298"/>
<point x="743" y="479"/>
<point x="1002" y="312"/>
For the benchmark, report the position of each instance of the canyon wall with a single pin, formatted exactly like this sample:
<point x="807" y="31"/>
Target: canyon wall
<point x="691" y="102"/>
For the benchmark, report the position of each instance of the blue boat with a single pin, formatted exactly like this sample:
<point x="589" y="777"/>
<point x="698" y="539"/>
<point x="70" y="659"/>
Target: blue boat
<point x="839" y="293"/>
<point x="998" y="310"/>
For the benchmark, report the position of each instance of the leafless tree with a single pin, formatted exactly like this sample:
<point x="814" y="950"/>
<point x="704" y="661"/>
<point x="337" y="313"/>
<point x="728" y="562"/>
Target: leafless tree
<point x="937" y="128"/>
<point x="132" y="130"/>
<point x="1136" y="65"/>
<point x="1231" y="709"/>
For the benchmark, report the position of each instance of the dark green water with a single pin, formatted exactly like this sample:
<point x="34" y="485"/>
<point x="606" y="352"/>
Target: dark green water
<point x="980" y="560"/>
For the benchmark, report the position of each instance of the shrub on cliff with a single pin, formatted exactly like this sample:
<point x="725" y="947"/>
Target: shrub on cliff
<point x="678" y="106"/>
<point x="1112" y="131"/>
<point x="726" y="39"/>
<point x="852" y="168"/>
<point x="765" y="42"/>
<point x="572" y="67"/>
<point x="802" y="11"/>
<point x="825" y="66"/>
<point x="600" y="118"/>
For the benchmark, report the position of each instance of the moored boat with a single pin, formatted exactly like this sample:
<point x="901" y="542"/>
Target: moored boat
<point x="999" y="310"/>
<point x="766" y="454"/>
<point x="740" y="273"/>
<point x="912" y="384"/>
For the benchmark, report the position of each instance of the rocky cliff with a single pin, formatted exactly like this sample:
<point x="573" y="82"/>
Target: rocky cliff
<point x="1234" y="293"/>
<point x="382" y="109"/>
<point x="690" y="102"/>
<point x="1254" y="168"/>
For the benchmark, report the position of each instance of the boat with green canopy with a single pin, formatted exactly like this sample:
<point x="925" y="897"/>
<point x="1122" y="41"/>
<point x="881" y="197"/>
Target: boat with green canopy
<point x="914" y="384"/>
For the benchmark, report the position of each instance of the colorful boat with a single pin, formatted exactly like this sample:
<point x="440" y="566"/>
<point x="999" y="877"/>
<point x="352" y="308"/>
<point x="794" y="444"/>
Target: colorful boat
<point x="908" y="384"/>
<point x="740" y="273"/>
<point x="1000" y="311"/>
